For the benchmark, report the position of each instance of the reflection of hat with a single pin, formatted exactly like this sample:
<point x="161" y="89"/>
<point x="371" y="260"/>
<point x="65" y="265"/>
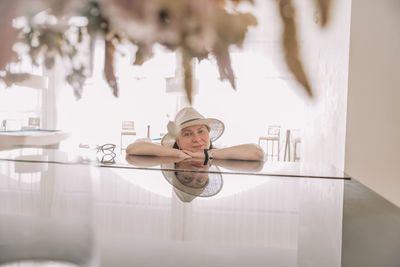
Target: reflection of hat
<point x="187" y="193"/>
<point x="184" y="196"/>
<point x="189" y="117"/>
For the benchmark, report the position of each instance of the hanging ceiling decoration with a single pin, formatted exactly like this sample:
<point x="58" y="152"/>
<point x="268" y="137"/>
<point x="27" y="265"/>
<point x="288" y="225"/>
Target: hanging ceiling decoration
<point x="196" y="29"/>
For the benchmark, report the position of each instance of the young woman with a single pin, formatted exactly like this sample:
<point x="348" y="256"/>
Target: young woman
<point x="191" y="136"/>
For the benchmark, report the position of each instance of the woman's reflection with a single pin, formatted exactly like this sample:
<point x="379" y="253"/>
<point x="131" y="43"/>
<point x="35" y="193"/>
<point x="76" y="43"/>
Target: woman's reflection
<point x="192" y="179"/>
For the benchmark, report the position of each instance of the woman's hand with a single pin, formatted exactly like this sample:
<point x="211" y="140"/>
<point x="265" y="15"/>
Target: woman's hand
<point x="196" y="155"/>
<point x="183" y="154"/>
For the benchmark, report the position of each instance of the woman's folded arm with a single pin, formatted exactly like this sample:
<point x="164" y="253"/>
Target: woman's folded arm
<point x="239" y="152"/>
<point x="150" y="149"/>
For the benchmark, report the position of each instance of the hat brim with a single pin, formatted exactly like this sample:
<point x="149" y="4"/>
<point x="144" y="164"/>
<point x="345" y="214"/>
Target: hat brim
<point x="215" y="126"/>
<point x="212" y="188"/>
<point x="184" y="196"/>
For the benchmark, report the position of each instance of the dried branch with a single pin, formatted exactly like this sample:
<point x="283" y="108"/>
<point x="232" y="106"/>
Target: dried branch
<point x="11" y="78"/>
<point x="143" y="53"/>
<point x="224" y="64"/>
<point x="323" y="8"/>
<point x="290" y="44"/>
<point x="109" y="67"/>
<point x="188" y="75"/>
<point x="76" y="78"/>
<point x="7" y="32"/>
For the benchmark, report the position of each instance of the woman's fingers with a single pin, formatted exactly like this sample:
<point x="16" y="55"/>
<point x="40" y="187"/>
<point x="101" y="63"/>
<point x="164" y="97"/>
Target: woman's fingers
<point x="187" y="152"/>
<point x="184" y="155"/>
<point x="199" y="155"/>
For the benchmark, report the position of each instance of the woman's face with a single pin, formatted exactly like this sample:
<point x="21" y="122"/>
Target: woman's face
<point x="192" y="179"/>
<point x="194" y="138"/>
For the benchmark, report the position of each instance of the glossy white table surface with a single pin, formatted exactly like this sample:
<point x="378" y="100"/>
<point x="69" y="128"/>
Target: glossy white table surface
<point x="31" y="137"/>
<point x="63" y="207"/>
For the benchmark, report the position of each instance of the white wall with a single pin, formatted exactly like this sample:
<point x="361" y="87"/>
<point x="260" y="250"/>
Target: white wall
<point x="325" y="53"/>
<point x="373" y="113"/>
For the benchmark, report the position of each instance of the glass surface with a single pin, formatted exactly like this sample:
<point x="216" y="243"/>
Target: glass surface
<point x="98" y="158"/>
<point x="39" y="264"/>
<point x="122" y="216"/>
<point x="45" y="214"/>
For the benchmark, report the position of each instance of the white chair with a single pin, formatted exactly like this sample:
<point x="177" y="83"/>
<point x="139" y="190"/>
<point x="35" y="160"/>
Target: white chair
<point x="273" y="137"/>
<point x="128" y="129"/>
<point x="34" y="123"/>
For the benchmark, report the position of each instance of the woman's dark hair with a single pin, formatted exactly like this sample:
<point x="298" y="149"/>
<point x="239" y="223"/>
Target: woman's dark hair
<point x="177" y="147"/>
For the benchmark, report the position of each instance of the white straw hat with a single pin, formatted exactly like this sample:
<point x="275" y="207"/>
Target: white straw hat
<point x="189" y="117"/>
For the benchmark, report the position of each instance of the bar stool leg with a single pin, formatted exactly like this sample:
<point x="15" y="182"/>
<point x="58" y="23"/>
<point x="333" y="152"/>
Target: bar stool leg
<point x="287" y="146"/>
<point x="272" y="153"/>
<point x="279" y="150"/>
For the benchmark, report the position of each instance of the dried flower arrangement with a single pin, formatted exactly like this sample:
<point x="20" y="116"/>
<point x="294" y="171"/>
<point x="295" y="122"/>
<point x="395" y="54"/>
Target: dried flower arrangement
<point x="197" y="29"/>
